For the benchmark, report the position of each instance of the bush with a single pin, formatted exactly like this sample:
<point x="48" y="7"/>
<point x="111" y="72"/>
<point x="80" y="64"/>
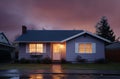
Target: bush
<point x="100" y="61"/>
<point x="38" y="61"/>
<point x="46" y="60"/>
<point x="16" y="61"/>
<point x="36" y="56"/>
<point x="63" y="61"/>
<point x="80" y="59"/>
<point x="23" y="60"/>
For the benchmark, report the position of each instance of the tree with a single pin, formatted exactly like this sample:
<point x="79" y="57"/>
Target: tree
<point x="103" y="29"/>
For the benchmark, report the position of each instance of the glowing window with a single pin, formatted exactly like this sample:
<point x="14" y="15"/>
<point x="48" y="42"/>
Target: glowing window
<point x="85" y="48"/>
<point x="36" y="48"/>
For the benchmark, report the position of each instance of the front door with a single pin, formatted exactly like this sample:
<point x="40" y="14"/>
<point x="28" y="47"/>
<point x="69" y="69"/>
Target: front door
<point x="57" y="51"/>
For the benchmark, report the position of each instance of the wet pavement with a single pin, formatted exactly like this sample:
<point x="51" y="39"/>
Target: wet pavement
<point x="59" y="76"/>
<point x="56" y="72"/>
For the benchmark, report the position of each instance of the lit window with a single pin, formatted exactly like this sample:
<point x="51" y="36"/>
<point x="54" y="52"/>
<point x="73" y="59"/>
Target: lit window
<point x="85" y="48"/>
<point x="36" y="48"/>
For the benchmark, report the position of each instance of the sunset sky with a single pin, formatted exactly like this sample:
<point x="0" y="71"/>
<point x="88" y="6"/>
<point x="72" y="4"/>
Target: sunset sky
<point x="57" y="15"/>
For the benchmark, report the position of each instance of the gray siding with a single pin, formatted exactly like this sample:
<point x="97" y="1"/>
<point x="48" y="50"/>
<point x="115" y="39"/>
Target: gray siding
<point x="24" y="54"/>
<point x="70" y="48"/>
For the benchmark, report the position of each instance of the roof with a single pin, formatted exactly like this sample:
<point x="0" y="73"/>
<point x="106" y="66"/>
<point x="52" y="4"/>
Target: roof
<point x="115" y="45"/>
<point x="6" y="42"/>
<point x="89" y="33"/>
<point x="53" y="35"/>
<point x="47" y="35"/>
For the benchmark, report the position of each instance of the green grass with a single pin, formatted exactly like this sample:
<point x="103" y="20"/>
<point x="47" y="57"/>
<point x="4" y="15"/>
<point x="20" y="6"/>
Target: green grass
<point x="108" y="66"/>
<point x="25" y="66"/>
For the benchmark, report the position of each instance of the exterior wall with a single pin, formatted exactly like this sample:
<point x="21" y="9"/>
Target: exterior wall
<point x="70" y="48"/>
<point x="24" y="54"/>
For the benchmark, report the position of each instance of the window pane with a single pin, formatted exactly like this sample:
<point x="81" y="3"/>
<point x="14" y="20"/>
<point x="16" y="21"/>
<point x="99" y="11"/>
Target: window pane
<point x="36" y="48"/>
<point x="88" y="48"/>
<point x="82" y="48"/>
<point x="39" y="48"/>
<point x="32" y="48"/>
<point x="85" y="48"/>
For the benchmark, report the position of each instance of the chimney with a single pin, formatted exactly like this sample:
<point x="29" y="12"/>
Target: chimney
<point x="24" y="29"/>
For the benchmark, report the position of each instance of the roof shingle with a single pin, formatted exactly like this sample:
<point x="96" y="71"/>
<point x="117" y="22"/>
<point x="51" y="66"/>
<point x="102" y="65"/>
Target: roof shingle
<point x="46" y="35"/>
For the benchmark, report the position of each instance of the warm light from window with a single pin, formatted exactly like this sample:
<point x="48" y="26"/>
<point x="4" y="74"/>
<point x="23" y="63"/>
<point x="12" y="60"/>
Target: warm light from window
<point x="39" y="48"/>
<point x="36" y="48"/>
<point x="36" y="76"/>
<point x="85" y="48"/>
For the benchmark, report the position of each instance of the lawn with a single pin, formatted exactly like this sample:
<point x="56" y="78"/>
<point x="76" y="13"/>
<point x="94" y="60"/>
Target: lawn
<point x="108" y="66"/>
<point x="25" y="66"/>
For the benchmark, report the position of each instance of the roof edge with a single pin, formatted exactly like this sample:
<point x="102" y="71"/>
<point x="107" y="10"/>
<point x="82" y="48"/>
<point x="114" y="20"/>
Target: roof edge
<point x="79" y="34"/>
<point x="35" y="41"/>
<point x="6" y="38"/>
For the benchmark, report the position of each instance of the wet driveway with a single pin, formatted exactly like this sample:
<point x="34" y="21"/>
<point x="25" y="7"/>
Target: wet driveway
<point x="59" y="76"/>
<point x="56" y="72"/>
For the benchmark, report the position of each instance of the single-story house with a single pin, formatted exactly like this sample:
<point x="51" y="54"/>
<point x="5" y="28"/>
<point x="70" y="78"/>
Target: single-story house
<point x="61" y="44"/>
<point x="6" y="48"/>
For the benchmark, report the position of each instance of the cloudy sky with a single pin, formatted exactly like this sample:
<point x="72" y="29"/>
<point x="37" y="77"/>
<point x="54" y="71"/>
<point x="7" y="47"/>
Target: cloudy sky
<point x="57" y="14"/>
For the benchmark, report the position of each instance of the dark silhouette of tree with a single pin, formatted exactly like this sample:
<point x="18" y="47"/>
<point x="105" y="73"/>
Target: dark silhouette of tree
<point x="103" y="29"/>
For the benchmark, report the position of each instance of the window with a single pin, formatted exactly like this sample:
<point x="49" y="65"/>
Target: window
<point x="85" y="48"/>
<point x="36" y="48"/>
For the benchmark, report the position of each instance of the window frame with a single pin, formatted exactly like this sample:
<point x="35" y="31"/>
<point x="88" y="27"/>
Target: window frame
<point x="28" y="49"/>
<point x="77" y="47"/>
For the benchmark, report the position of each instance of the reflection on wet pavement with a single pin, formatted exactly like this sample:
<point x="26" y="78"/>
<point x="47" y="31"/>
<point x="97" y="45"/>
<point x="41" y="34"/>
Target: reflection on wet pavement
<point x="61" y="76"/>
<point x="56" y="68"/>
<point x="36" y="76"/>
<point x="57" y="73"/>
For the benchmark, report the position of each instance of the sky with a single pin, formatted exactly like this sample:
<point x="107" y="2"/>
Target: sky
<point x="57" y="15"/>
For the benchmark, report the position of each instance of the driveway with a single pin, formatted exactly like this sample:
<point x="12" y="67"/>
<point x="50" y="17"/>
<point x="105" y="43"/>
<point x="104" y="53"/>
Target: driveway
<point x="56" y="72"/>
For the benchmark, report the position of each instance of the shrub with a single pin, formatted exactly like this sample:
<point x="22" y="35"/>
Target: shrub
<point x="63" y="61"/>
<point x="23" y="60"/>
<point x="80" y="59"/>
<point x="38" y="61"/>
<point x="36" y="56"/>
<point x="46" y="60"/>
<point x="100" y="61"/>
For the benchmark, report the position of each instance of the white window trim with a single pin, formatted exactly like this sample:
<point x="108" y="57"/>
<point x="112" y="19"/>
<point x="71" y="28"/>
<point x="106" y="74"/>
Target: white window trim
<point x="27" y="48"/>
<point x="77" y="47"/>
<point x="44" y="48"/>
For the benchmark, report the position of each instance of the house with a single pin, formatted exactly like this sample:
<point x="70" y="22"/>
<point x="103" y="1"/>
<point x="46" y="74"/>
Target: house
<point x="5" y="48"/>
<point x="113" y="52"/>
<point x="61" y="44"/>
